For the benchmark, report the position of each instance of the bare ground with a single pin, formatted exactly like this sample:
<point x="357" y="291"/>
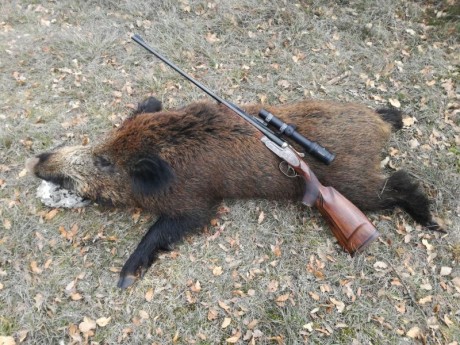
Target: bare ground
<point x="69" y="72"/>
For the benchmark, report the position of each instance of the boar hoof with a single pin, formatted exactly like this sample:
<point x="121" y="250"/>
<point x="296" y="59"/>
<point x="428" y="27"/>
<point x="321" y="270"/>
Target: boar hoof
<point x="433" y="226"/>
<point x="126" y="281"/>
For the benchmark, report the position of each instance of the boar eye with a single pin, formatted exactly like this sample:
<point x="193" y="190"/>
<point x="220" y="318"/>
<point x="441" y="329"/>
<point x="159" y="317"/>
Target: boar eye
<point x="102" y="162"/>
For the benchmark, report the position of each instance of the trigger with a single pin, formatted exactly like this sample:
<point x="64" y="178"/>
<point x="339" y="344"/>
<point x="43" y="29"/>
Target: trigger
<point x="287" y="170"/>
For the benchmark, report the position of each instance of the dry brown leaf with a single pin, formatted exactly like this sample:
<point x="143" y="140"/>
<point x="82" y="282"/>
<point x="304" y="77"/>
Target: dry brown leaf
<point x="143" y="314"/>
<point x="7" y="224"/>
<point x="261" y="217"/>
<point x="426" y="286"/>
<point x="87" y="325"/>
<point x="34" y="267"/>
<point x="428" y="246"/>
<point x="284" y="83"/>
<point x="253" y="324"/>
<point x="401" y="307"/>
<point x="39" y="299"/>
<point x="51" y="214"/>
<point x="149" y="295"/>
<point x="394" y="102"/>
<point x="212" y="38"/>
<point x="233" y="339"/>
<point x="425" y="299"/>
<point x="445" y="271"/>
<point x="276" y="250"/>
<point x="314" y="295"/>
<point x="338" y="304"/>
<point x="76" y="296"/>
<point x="224" y="306"/>
<point x="217" y="270"/>
<point x="408" y="121"/>
<point x="380" y="266"/>
<point x="190" y="299"/>
<point x="7" y="340"/>
<point x="448" y="321"/>
<point x="22" y="335"/>
<point x="273" y="286"/>
<point x="196" y="287"/>
<point x="456" y="282"/>
<point x="71" y="285"/>
<point x="226" y="322"/>
<point x="414" y="332"/>
<point x="103" y="321"/>
<point x="212" y="314"/>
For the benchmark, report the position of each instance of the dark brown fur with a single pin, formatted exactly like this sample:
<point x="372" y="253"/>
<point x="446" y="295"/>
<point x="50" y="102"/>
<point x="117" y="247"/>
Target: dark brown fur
<point x="180" y="164"/>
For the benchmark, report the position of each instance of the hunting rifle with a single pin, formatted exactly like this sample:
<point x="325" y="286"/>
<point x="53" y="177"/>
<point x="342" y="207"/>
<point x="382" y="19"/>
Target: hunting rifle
<point x="349" y="225"/>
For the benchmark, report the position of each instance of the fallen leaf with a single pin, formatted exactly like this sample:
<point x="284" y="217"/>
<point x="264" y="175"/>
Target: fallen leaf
<point x="51" y="214"/>
<point x="283" y="298"/>
<point x="261" y="217"/>
<point x="394" y="102"/>
<point x="149" y="295"/>
<point x="212" y="314"/>
<point x="338" y="304"/>
<point x="38" y="300"/>
<point x="234" y="338"/>
<point x="103" y="321"/>
<point x="22" y="335"/>
<point x="448" y="321"/>
<point x="226" y="322"/>
<point x="87" y="325"/>
<point x="224" y="306"/>
<point x="426" y="286"/>
<point x="428" y="246"/>
<point x="408" y="121"/>
<point x="76" y="296"/>
<point x="212" y="38"/>
<point x="273" y="286"/>
<point x="284" y="83"/>
<point x="401" y="307"/>
<point x="196" y="287"/>
<point x="425" y="300"/>
<point x="414" y="332"/>
<point x="253" y="324"/>
<point x="456" y="282"/>
<point x="7" y="224"/>
<point x="445" y="271"/>
<point x="380" y="266"/>
<point x="143" y="314"/>
<point x="7" y="341"/>
<point x="34" y="267"/>
<point x="217" y="270"/>
<point x="276" y="250"/>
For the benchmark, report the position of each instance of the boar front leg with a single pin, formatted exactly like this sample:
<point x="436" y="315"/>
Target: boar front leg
<point x="166" y="231"/>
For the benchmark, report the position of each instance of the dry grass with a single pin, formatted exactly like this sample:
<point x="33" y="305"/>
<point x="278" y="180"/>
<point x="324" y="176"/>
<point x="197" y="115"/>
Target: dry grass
<point x="69" y="72"/>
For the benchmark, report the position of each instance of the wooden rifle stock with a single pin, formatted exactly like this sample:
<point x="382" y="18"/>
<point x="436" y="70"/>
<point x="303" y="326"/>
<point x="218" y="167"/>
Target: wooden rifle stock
<point x="350" y="226"/>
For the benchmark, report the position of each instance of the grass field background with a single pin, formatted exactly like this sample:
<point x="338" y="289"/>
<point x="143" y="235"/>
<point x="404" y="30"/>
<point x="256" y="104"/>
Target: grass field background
<point x="262" y="272"/>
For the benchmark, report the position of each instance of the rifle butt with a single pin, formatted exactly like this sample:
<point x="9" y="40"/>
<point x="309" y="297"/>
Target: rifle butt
<point x="350" y="226"/>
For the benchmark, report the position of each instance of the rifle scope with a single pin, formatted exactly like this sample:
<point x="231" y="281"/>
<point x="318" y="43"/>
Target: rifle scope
<point x="311" y="147"/>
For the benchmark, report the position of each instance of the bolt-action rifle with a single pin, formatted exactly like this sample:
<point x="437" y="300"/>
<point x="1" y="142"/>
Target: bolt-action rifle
<point x="349" y="225"/>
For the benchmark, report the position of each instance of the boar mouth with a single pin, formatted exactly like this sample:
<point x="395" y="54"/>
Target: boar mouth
<point x="62" y="181"/>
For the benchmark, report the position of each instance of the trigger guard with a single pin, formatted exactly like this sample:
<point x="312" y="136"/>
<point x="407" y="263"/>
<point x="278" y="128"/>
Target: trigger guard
<point x="287" y="170"/>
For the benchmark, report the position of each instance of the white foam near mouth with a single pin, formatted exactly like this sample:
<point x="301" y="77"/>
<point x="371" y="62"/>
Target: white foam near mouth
<point x="54" y="196"/>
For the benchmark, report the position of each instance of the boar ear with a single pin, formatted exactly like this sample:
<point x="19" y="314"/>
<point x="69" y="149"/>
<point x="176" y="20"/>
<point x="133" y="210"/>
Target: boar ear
<point x="150" y="175"/>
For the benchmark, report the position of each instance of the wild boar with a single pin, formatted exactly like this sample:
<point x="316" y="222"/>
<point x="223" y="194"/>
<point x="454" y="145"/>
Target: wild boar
<point x="180" y="164"/>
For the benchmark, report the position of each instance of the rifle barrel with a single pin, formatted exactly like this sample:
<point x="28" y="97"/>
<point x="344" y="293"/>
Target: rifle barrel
<point x="267" y="132"/>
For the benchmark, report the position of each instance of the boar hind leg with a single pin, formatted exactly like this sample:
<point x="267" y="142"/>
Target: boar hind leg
<point x="166" y="231"/>
<point x="401" y="190"/>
